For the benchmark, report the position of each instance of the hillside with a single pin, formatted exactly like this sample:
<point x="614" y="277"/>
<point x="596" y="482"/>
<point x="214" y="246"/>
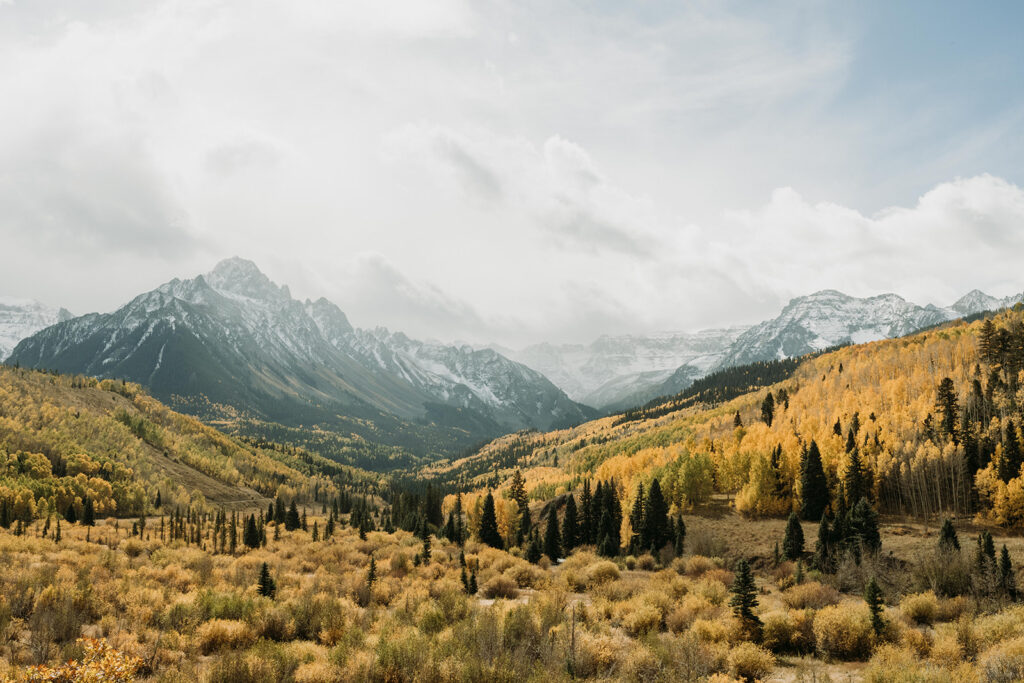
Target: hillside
<point x="873" y="411"/>
<point x="68" y="439"/>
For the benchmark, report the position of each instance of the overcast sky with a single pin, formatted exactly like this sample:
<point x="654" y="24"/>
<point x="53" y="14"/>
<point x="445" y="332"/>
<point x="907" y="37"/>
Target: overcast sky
<point x="516" y="171"/>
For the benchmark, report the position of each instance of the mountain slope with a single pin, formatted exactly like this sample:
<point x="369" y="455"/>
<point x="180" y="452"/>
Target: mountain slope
<point x="20" y="319"/>
<point x="69" y="438"/>
<point x="232" y="343"/>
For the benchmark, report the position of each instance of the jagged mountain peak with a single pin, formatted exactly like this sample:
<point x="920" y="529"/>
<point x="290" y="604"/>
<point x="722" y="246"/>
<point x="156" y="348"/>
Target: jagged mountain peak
<point x="241" y="277"/>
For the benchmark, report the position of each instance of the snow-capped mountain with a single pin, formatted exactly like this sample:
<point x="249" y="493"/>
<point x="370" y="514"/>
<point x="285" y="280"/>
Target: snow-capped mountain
<point x="21" y="318"/>
<point x="234" y="338"/>
<point x="977" y="301"/>
<point x="613" y="371"/>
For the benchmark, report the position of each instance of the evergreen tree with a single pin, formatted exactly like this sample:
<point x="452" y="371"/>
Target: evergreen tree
<point x="737" y="421"/>
<point x="606" y="543"/>
<point x="88" y="513"/>
<point x="266" y="587"/>
<point x="823" y="548"/>
<point x="793" y="541"/>
<point x="856" y="481"/>
<point x="316" y="532"/>
<point x="292" y="521"/>
<point x="587" y="521"/>
<point x="534" y="549"/>
<point x="680" y="535"/>
<point x="70" y="515"/>
<point x="1007" y="581"/>
<point x="814" y="496"/>
<point x="426" y="549"/>
<point x="947" y="537"/>
<point x="233" y="536"/>
<point x="873" y="596"/>
<point x="305" y="526"/>
<point x="1010" y="464"/>
<point x="863" y="526"/>
<point x="987" y="347"/>
<point x="250" y="534"/>
<point x="56" y="535"/>
<point x="636" y="522"/>
<point x="517" y="491"/>
<point x="464" y="579"/>
<point x="489" y="524"/>
<point x="158" y="502"/>
<point x="5" y="514"/>
<point x="279" y="511"/>
<point x="948" y="409"/>
<point x="657" y="531"/>
<point x="570" y="526"/>
<point x="552" y="542"/>
<point x="472" y="583"/>
<point x="371" y="572"/>
<point x="768" y="409"/>
<point x="744" y="598"/>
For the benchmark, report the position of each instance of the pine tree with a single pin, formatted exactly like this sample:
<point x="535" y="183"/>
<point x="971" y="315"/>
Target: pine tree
<point x="233" y="536"/>
<point x="88" y="513"/>
<point x="5" y="514"/>
<point x="305" y="526"/>
<point x="250" y="534"/>
<point x="158" y="502"/>
<point x="70" y="515"/>
<point x="1007" y="581"/>
<point x="472" y="583"/>
<point x="570" y="526"/>
<point x="948" y="408"/>
<point x="680" y="535"/>
<point x="856" y="480"/>
<point x="1010" y="464"/>
<point x="292" y="521"/>
<point x="316" y="532"/>
<point x="489" y="524"/>
<point x="552" y="542"/>
<point x="587" y="521"/>
<point x="948" y="541"/>
<point x="371" y="572"/>
<point x="636" y="521"/>
<point x="864" y="526"/>
<point x="768" y="409"/>
<point x="279" y="511"/>
<point x="266" y="587"/>
<point x="823" y="548"/>
<point x="986" y="343"/>
<point x="56" y="535"/>
<point x="744" y="598"/>
<point x="534" y="549"/>
<point x="737" y="421"/>
<point x="814" y="496"/>
<point x="793" y="541"/>
<point x="657" y="531"/>
<point x="426" y="549"/>
<point x="464" y="579"/>
<point x="873" y="596"/>
<point x="517" y="490"/>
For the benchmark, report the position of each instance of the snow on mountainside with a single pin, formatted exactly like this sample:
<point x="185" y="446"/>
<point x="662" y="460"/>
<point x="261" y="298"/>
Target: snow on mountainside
<point x="236" y="338"/>
<point x="613" y="370"/>
<point x="21" y="318"/>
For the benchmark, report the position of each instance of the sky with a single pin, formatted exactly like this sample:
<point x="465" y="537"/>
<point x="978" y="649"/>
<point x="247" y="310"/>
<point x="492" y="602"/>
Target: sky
<point x="514" y="172"/>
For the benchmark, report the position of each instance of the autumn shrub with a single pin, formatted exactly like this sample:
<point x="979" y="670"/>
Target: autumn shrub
<point x="812" y="595"/>
<point x="916" y="640"/>
<point x="951" y="609"/>
<point x="696" y="565"/>
<point x="946" y="573"/>
<point x="430" y="617"/>
<point x="221" y="605"/>
<point x="401" y="655"/>
<point x="520" y="630"/>
<point x="689" y="608"/>
<point x="640" y="664"/>
<point x="750" y="662"/>
<point x="789" y="631"/>
<point x="920" y="608"/>
<point x="500" y="586"/>
<point x="642" y="619"/>
<point x="315" y="672"/>
<point x="602" y="572"/>
<point x="1004" y="625"/>
<point x="99" y="662"/>
<point x="646" y="562"/>
<point x="892" y="664"/>
<point x="221" y="634"/>
<point x="596" y="654"/>
<point x="844" y="631"/>
<point x="1003" y="663"/>
<point x="722" y="630"/>
<point x="703" y="542"/>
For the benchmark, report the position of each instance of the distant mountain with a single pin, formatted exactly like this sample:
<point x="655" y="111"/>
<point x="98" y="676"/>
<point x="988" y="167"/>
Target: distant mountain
<point x="21" y="318"/>
<point x="232" y="338"/>
<point x="977" y="301"/>
<point x="615" y="370"/>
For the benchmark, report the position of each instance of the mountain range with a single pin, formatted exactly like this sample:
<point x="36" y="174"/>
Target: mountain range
<point x="231" y="342"/>
<point x="614" y="373"/>
<point x="231" y="345"/>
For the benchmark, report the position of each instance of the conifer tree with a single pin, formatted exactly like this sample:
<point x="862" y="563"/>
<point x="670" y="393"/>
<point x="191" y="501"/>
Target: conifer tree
<point x="266" y="587"/>
<point x="587" y="523"/>
<point x="1010" y="464"/>
<point x="70" y="515"/>
<point x="426" y="549"/>
<point x="56" y="535"/>
<point x="657" y="531"/>
<point x="5" y="514"/>
<point x="517" y="491"/>
<point x="371" y="572"/>
<point x="158" y="502"/>
<point x="233" y="536"/>
<point x="552" y="542"/>
<point x="292" y="521"/>
<point x="88" y="513"/>
<point x="737" y="421"/>
<point x="279" y="511"/>
<point x="793" y="541"/>
<point x="864" y="526"/>
<point x="464" y="579"/>
<point x="873" y="596"/>
<point x="472" y="583"/>
<point x="823" y="547"/>
<point x="606" y="545"/>
<point x="570" y="526"/>
<point x="636" y="521"/>
<point x="534" y="549"/>
<point x="316" y="532"/>
<point x="948" y="541"/>
<point x="250" y="534"/>
<point x="948" y="409"/>
<point x="1007" y="581"/>
<point x="814" y="496"/>
<point x="680" y="535"/>
<point x="855" y="481"/>
<point x="744" y="598"/>
<point x="768" y="409"/>
<point x="489" y="524"/>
